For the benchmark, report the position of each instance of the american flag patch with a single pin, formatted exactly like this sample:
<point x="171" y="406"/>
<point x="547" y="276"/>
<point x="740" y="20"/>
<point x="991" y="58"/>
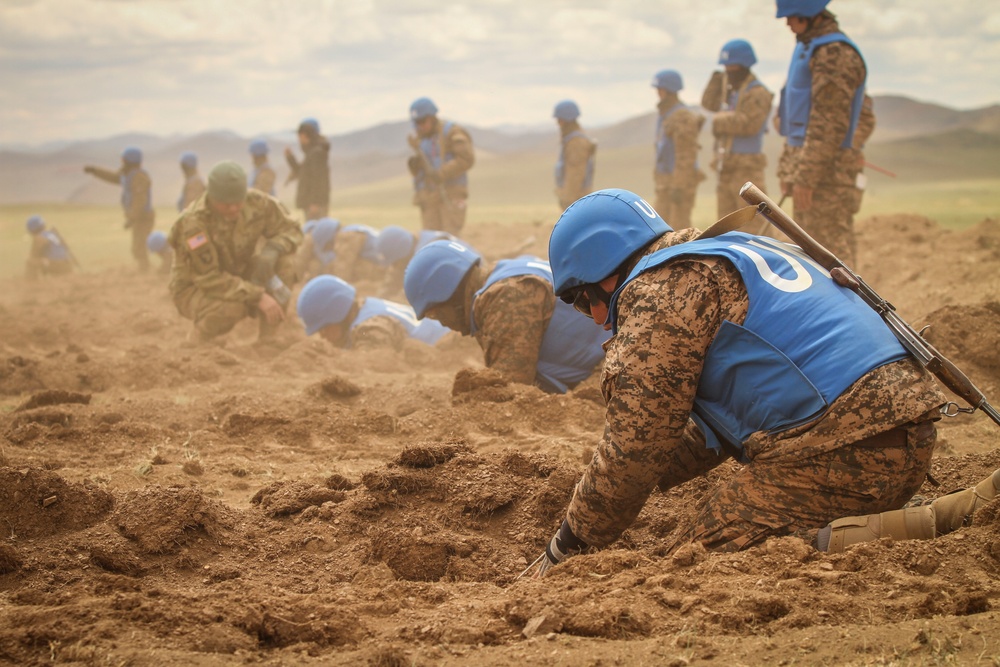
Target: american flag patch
<point x="197" y="241"/>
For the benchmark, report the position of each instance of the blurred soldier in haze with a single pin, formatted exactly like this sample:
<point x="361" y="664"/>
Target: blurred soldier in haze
<point x="741" y="104"/>
<point x="193" y="187"/>
<point x="575" y="168"/>
<point x="318" y="250"/>
<point x="818" y="115"/>
<point x="866" y="125"/>
<point x="396" y="246"/>
<point x="218" y="276"/>
<point x="49" y="255"/>
<point x="526" y="334"/>
<point x="157" y="244"/>
<point x="443" y="155"/>
<point x="332" y="308"/>
<point x="313" y="173"/>
<point x="262" y="177"/>
<point x="137" y="199"/>
<point x="676" y="175"/>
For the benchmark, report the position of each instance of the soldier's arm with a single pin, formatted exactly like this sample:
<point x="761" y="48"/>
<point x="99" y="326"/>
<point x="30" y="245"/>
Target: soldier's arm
<point x="711" y="99"/>
<point x="280" y="228"/>
<point x="463" y="155"/>
<point x="512" y="316"/>
<point x="577" y="155"/>
<point x="748" y="116"/>
<point x="196" y="262"/>
<point x="104" y="174"/>
<point x="837" y="71"/>
<point x="684" y="126"/>
<point x="866" y="123"/>
<point x="140" y="185"/>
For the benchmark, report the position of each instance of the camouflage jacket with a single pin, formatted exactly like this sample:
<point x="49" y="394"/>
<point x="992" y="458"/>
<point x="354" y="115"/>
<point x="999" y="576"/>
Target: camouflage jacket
<point x="576" y="155"/>
<point x="683" y="127"/>
<point x="753" y="106"/>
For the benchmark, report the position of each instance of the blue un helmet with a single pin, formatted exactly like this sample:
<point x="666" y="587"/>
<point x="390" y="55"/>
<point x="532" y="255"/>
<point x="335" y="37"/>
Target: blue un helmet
<point x="132" y="155"/>
<point x="566" y="110"/>
<point x="669" y="80"/>
<point x="258" y="148"/>
<point x="421" y="108"/>
<point x="737" y="52"/>
<point x="35" y="224"/>
<point x="394" y="243"/>
<point x="309" y="125"/>
<point x="189" y="159"/>
<point x="325" y="300"/>
<point x="435" y="272"/>
<point x="156" y="241"/>
<point x="323" y="231"/>
<point x="595" y="235"/>
<point x="802" y="8"/>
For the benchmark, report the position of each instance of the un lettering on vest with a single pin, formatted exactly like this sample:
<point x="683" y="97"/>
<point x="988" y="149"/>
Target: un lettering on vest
<point x="793" y="255"/>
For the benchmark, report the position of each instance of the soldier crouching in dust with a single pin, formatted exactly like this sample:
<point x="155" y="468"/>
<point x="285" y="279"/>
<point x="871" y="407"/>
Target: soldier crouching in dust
<point x="218" y="278"/>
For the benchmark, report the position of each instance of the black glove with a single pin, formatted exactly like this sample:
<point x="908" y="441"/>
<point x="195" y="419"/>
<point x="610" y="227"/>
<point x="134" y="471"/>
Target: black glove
<point x="264" y="263"/>
<point x="562" y="545"/>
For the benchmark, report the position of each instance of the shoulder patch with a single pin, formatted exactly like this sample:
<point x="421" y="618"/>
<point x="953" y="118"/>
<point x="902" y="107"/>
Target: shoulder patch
<point x="197" y="241"/>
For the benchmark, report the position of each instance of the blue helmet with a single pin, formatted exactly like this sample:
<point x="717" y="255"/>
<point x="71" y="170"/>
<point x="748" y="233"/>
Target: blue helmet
<point x="259" y="147"/>
<point x="421" y="108"/>
<point x="309" y="124"/>
<point x="802" y="8"/>
<point x="35" y="224"/>
<point x="595" y="235"/>
<point x="132" y="155"/>
<point x="395" y="243"/>
<point x="156" y="241"/>
<point x="322" y="232"/>
<point x="668" y="79"/>
<point x="737" y="52"/>
<point x="435" y="272"/>
<point x="325" y="300"/>
<point x="189" y="159"/>
<point x="566" y="110"/>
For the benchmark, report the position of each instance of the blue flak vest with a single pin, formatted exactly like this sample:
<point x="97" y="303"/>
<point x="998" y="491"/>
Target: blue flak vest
<point x="804" y="342"/>
<point x="664" y="144"/>
<point x="426" y="331"/>
<point x="796" y="97"/>
<point x="753" y="143"/>
<point x="560" y="170"/>
<point x="369" y="251"/>
<point x="126" y="180"/>
<point x="572" y="345"/>
<point x="55" y="251"/>
<point x="431" y="147"/>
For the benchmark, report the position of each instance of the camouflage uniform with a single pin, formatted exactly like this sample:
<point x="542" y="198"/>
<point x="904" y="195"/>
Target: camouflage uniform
<point x="822" y="163"/>
<point x="576" y="159"/>
<point x="382" y="332"/>
<point x="866" y="125"/>
<point x="214" y="260"/>
<point x="869" y="451"/>
<point x="753" y="106"/>
<point x="263" y="177"/>
<point x="137" y="204"/>
<point x="443" y="207"/>
<point x="48" y="256"/>
<point x="676" y="190"/>
<point x="350" y="262"/>
<point x="194" y="187"/>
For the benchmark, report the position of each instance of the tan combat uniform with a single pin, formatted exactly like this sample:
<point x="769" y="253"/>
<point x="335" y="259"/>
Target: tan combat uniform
<point x="263" y="178"/>
<point x="866" y="126"/>
<point x="676" y="190"/>
<point x="745" y="120"/>
<point x="868" y="453"/>
<point x="443" y="207"/>
<point x="821" y="163"/>
<point x="577" y="171"/>
<point x="213" y="260"/>
<point x="40" y="258"/>
<point x="349" y="263"/>
<point x="137" y="205"/>
<point x="194" y="187"/>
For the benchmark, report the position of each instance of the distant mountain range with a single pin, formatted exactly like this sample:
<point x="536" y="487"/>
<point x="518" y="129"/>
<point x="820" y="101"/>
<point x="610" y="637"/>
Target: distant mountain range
<point x="54" y="172"/>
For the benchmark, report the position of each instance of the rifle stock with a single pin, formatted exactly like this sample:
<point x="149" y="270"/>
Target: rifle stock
<point x="928" y="356"/>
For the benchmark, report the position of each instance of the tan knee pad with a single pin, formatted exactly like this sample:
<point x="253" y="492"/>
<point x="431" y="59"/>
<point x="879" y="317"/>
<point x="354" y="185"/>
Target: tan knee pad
<point x="912" y="523"/>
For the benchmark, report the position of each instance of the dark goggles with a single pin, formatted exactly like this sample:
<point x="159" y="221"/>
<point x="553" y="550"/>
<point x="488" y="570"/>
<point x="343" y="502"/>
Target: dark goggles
<point x="585" y="297"/>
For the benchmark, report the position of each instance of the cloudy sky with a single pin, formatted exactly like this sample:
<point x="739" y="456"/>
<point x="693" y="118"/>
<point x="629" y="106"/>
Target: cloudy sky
<point x="73" y="69"/>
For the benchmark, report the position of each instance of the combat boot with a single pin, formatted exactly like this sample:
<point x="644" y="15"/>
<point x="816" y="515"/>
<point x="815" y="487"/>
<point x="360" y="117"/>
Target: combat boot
<point x="943" y="515"/>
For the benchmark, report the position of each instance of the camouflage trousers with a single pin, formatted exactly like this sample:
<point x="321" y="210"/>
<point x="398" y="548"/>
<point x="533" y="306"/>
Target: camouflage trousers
<point x="675" y="207"/>
<point x="830" y="220"/>
<point x="140" y="231"/>
<point x="731" y="179"/>
<point x="437" y="215"/>
<point x="793" y="494"/>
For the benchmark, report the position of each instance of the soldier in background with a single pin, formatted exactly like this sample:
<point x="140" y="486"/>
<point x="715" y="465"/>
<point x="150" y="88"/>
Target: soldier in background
<point x="443" y="155"/>
<point x="676" y="175"/>
<point x="157" y="244"/>
<point x="396" y="246"/>
<point x="866" y="126"/>
<point x="313" y="173"/>
<point x="818" y="115"/>
<point x="137" y="199"/>
<point x="741" y="104"/>
<point x="262" y="176"/>
<point x="218" y="276"/>
<point x="575" y="168"/>
<point x="318" y="249"/>
<point x="49" y="255"/>
<point x="194" y="186"/>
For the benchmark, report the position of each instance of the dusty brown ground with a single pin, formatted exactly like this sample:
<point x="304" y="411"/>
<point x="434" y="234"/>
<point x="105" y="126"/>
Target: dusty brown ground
<point x="161" y="504"/>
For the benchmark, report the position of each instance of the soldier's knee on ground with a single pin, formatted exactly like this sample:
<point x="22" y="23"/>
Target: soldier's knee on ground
<point x="220" y="321"/>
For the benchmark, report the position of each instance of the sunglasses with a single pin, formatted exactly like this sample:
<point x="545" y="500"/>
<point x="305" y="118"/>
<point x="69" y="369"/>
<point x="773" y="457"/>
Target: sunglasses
<point x="585" y="297"/>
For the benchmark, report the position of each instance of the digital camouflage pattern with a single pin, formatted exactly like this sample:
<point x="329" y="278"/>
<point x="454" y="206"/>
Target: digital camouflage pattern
<point x="214" y="259"/>
<point x="866" y="126"/>
<point x="380" y="332"/>
<point x="797" y="480"/>
<point x="676" y="191"/>
<point x="444" y="208"/>
<point x="137" y="217"/>
<point x="820" y="163"/>
<point x="576" y="154"/>
<point x="752" y="109"/>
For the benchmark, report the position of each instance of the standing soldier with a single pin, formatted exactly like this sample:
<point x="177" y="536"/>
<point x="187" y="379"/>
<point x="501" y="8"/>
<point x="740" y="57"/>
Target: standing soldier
<point x="313" y="173"/>
<point x="49" y="255"/>
<point x="137" y="199"/>
<point x="741" y="104"/>
<point x="262" y="177"/>
<point x="218" y="276"/>
<point x="818" y="116"/>
<point x="866" y="125"/>
<point x="677" y="175"/>
<point x="194" y="187"/>
<point x="443" y="156"/>
<point x="575" y="168"/>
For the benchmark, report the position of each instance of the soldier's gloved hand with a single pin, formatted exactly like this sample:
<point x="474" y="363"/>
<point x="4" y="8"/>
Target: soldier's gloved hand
<point x="562" y="545"/>
<point x="264" y="264"/>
